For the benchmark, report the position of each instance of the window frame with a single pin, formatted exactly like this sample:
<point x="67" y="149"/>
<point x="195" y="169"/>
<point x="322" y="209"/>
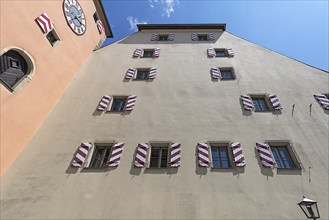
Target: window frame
<point x="226" y="69"/>
<point x="266" y="101"/>
<point x="200" y="37"/>
<point x="166" y="36"/>
<point x="162" y="145"/>
<point x="90" y="157"/>
<point x="221" y="49"/>
<point x="221" y="144"/>
<point x="297" y="165"/>
<point x="31" y="69"/>
<point x="141" y="69"/>
<point x="148" y="50"/>
<point x="54" y="33"/>
<point x="110" y="108"/>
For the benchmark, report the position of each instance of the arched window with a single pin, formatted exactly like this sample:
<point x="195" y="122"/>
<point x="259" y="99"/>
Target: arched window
<point x="16" y="65"/>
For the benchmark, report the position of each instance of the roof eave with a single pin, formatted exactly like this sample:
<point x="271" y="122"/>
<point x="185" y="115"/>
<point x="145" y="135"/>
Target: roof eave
<point x="180" y="26"/>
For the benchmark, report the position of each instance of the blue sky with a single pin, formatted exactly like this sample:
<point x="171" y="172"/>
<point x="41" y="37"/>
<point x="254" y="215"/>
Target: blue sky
<point x="298" y="29"/>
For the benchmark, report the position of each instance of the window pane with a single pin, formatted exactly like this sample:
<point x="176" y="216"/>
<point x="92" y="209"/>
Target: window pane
<point x="142" y="74"/>
<point x="224" y="159"/>
<point x="164" y="157"/>
<point x="260" y="104"/>
<point x="286" y="159"/>
<point x="97" y="157"/>
<point x="155" y="153"/>
<point x="106" y="157"/>
<point x="226" y="74"/>
<point x="118" y="104"/>
<point x="148" y="53"/>
<point x="202" y="37"/>
<point x="276" y="157"/>
<point x="163" y="37"/>
<point x="220" y="53"/>
<point x="215" y="157"/>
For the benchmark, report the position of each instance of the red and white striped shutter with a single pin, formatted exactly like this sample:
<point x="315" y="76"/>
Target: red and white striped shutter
<point x="265" y="154"/>
<point x="175" y="155"/>
<point x="100" y="26"/>
<point x="211" y="52"/>
<point x="81" y="154"/>
<point x="230" y="52"/>
<point x="211" y="37"/>
<point x="45" y="23"/>
<point x="104" y="103"/>
<point x="131" y="101"/>
<point x="247" y="102"/>
<point x="156" y="52"/>
<point x="323" y="100"/>
<point x="138" y="52"/>
<point x="154" y="37"/>
<point x="171" y="37"/>
<point x="203" y="155"/>
<point x="130" y="73"/>
<point x="215" y="73"/>
<point x="114" y="159"/>
<point x="238" y="157"/>
<point x="152" y="73"/>
<point x="194" y="37"/>
<point x="275" y="101"/>
<point x="141" y="155"/>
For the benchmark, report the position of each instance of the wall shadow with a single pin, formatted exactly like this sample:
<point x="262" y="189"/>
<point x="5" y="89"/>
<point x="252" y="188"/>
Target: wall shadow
<point x="135" y="171"/>
<point x="97" y="112"/>
<point x="198" y="169"/>
<point x="244" y="112"/>
<point x="238" y="170"/>
<point x="277" y="112"/>
<point x="266" y="171"/>
<point x="289" y="171"/>
<point x="71" y="169"/>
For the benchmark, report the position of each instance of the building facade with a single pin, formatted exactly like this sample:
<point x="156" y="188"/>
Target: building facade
<point x="43" y="45"/>
<point x="178" y="122"/>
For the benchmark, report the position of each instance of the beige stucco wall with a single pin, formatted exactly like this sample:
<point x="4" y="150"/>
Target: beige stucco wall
<point x="181" y="105"/>
<point x="22" y="112"/>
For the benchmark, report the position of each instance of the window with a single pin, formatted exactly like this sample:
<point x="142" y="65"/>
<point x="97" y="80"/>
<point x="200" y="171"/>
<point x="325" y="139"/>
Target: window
<point x="227" y="74"/>
<point x="159" y="156"/>
<point x="220" y="156"/>
<point x="118" y="104"/>
<point x="96" y="17"/>
<point x="142" y="75"/>
<point x="163" y="37"/>
<point x="100" y="156"/>
<point x="53" y="37"/>
<point x="15" y="66"/>
<point x="202" y="37"/>
<point x="260" y="104"/>
<point x="282" y="157"/>
<point x="220" y="53"/>
<point x="148" y="53"/>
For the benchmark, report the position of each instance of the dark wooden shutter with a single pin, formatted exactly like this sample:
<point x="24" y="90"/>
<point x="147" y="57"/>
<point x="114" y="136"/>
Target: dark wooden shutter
<point x="10" y="74"/>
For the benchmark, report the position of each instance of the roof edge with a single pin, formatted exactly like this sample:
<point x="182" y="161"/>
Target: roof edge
<point x="102" y="14"/>
<point x="180" y="26"/>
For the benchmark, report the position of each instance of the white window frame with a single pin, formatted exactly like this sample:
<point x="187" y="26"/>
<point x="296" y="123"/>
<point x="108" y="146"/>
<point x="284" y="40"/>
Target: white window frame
<point x="226" y="144"/>
<point x="158" y="144"/>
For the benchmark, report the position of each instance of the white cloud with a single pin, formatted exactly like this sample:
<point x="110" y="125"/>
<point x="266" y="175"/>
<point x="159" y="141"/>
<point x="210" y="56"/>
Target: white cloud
<point x="133" y="22"/>
<point x="168" y="6"/>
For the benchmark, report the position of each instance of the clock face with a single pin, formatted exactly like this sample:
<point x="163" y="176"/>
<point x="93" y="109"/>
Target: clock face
<point x="74" y="16"/>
